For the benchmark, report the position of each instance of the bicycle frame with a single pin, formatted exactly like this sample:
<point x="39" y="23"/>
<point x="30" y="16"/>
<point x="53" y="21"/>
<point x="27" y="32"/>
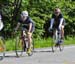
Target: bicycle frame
<point x="24" y="38"/>
<point x="57" y="36"/>
<point x="57" y="42"/>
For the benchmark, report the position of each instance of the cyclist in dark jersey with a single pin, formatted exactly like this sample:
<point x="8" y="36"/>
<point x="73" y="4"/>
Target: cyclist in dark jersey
<point x="27" y="23"/>
<point x="57" y="21"/>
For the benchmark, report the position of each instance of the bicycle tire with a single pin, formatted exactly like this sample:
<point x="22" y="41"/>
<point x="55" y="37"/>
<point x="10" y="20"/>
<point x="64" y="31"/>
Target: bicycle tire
<point x="56" y="38"/>
<point x="53" y="43"/>
<point x="61" y="42"/>
<point x="19" y="46"/>
<point x="2" y="48"/>
<point x="61" y="46"/>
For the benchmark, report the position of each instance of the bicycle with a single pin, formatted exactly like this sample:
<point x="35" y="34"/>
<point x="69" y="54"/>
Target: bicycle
<point x="2" y="48"/>
<point x="21" y="44"/>
<point x="57" y="41"/>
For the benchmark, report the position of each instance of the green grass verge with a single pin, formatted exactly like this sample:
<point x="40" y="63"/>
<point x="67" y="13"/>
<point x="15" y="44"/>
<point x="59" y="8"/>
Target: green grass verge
<point x="38" y="43"/>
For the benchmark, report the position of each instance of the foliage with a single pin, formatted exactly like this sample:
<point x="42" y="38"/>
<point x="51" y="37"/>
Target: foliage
<point x="40" y="11"/>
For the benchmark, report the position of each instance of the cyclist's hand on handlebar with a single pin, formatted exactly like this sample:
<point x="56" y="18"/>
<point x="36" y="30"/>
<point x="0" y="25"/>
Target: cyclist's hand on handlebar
<point x="50" y="29"/>
<point x="15" y="30"/>
<point x="28" y="33"/>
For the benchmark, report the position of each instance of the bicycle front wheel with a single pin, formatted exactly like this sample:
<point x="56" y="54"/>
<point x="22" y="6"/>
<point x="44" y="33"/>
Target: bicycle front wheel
<point x="19" y="46"/>
<point x="54" y="41"/>
<point x="61" y="45"/>
<point x="2" y="48"/>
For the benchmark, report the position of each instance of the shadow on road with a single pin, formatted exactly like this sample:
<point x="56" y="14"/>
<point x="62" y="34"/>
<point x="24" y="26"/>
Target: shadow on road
<point x="11" y="56"/>
<point x="35" y="51"/>
<point x="1" y="58"/>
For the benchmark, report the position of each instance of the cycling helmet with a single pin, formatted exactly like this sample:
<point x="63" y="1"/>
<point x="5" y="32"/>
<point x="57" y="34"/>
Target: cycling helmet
<point x="24" y="13"/>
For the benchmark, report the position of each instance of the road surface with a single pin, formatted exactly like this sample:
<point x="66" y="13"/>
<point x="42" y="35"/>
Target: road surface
<point x="42" y="56"/>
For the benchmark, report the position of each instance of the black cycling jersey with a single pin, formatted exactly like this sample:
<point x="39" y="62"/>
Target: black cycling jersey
<point x="25" y="24"/>
<point x="54" y="16"/>
<point x="57" y="20"/>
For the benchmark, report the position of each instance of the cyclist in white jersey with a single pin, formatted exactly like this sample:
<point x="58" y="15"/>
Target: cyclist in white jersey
<point x="1" y="23"/>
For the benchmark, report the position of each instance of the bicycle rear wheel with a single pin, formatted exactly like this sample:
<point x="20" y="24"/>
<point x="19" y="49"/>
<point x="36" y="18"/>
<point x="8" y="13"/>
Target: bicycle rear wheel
<point x="61" y="42"/>
<point x="53" y="43"/>
<point x="19" y="46"/>
<point x="61" y="45"/>
<point x="58" y="43"/>
<point x="2" y="48"/>
<point x="55" y="40"/>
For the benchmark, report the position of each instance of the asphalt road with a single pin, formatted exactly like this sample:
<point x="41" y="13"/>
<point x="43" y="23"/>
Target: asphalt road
<point x="42" y="56"/>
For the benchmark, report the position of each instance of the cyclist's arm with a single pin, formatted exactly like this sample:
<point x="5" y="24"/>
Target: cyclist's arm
<point x="61" y="22"/>
<point x="52" y="21"/>
<point x="1" y="25"/>
<point x="18" y="24"/>
<point x="30" y="26"/>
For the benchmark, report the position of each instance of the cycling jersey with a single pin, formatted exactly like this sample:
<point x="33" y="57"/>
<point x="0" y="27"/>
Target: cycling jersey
<point x="1" y="23"/>
<point x="57" y="20"/>
<point x="25" y="24"/>
<point x="54" y="16"/>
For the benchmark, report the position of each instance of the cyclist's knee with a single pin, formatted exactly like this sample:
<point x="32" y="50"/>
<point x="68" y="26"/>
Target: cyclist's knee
<point x="62" y="26"/>
<point x="30" y="35"/>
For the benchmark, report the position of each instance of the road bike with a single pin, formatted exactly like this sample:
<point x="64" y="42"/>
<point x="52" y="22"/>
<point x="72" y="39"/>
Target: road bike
<point x="57" y="41"/>
<point x="21" y="44"/>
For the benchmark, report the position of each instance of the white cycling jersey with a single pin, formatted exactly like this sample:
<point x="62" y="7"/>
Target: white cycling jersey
<point x="1" y="23"/>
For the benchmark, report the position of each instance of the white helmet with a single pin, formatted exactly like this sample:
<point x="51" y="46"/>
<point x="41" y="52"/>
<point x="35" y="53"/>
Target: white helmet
<point x="24" y="13"/>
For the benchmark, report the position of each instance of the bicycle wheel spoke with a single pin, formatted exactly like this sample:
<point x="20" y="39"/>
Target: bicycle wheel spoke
<point x="57" y="42"/>
<point x="19" y="47"/>
<point x="61" y="47"/>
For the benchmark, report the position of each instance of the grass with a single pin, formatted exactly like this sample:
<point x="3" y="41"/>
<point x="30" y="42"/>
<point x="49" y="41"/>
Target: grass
<point x="38" y="43"/>
<point x="70" y="41"/>
<point x="10" y="44"/>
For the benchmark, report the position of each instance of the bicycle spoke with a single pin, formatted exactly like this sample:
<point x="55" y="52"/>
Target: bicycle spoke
<point x="57" y="42"/>
<point x="19" y="47"/>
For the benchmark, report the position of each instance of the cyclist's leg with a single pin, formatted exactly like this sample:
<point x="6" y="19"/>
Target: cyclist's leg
<point x="29" y="50"/>
<point x="62" y="32"/>
<point x="23" y="35"/>
<point x="29" y="39"/>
